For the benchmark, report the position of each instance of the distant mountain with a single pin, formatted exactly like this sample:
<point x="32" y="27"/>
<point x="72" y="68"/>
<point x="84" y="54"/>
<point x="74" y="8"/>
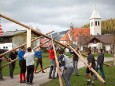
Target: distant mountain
<point x="60" y="34"/>
<point x="108" y="26"/>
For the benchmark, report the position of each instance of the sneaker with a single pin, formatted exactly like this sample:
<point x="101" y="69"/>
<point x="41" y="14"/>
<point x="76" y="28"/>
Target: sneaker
<point x="77" y="74"/>
<point x="1" y="79"/>
<point x="88" y="83"/>
<point x="50" y="77"/>
<point x="27" y="83"/>
<point x="53" y="77"/>
<point x="22" y="82"/>
<point x="92" y="84"/>
<point x="43" y="72"/>
<point x="12" y="77"/>
<point x="31" y="83"/>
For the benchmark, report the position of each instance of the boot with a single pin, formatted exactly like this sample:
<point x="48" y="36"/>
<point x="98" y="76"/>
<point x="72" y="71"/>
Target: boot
<point x="42" y="70"/>
<point x="24" y="77"/>
<point x="21" y="78"/>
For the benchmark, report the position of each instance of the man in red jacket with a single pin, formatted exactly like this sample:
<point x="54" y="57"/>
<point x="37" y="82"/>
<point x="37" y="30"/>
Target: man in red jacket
<point x="52" y="63"/>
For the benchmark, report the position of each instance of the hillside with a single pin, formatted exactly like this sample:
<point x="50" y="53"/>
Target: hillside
<point x="108" y="26"/>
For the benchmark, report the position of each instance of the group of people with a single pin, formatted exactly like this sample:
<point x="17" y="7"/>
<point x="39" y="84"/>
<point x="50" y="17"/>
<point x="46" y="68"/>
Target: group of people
<point x="26" y="63"/>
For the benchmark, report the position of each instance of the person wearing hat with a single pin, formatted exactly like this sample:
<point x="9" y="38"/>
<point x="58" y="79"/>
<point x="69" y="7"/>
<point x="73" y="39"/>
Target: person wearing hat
<point x="65" y="66"/>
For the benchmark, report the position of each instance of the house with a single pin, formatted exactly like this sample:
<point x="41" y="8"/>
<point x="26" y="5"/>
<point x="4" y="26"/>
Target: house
<point x="89" y="37"/>
<point x="12" y="39"/>
<point x="96" y="42"/>
<point x="71" y="37"/>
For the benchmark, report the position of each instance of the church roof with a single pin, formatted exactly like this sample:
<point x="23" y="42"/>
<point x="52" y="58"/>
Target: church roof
<point x="95" y="14"/>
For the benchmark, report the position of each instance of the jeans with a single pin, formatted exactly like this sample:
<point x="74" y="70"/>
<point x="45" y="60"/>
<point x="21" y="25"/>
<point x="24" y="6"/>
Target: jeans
<point x="12" y="66"/>
<point x="101" y="70"/>
<point x="66" y="75"/>
<point x="30" y="73"/>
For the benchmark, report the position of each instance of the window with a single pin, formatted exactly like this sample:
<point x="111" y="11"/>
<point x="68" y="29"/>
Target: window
<point x="98" y="23"/>
<point x="91" y="23"/>
<point x="95" y="23"/>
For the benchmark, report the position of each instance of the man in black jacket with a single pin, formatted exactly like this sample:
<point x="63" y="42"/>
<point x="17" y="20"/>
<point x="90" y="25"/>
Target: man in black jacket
<point x="1" y="58"/>
<point x="12" y="56"/>
<point x="99" y="65"/>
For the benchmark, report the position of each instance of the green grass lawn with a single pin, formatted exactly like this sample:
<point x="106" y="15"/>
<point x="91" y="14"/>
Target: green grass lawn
<point x="81" y="80"/>
<point x="5" y="70"/>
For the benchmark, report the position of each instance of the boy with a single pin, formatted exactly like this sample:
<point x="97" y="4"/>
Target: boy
<point x="91" y="63"/>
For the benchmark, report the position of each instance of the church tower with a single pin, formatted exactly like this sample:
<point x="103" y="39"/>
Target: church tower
<point x="95" y="23"/>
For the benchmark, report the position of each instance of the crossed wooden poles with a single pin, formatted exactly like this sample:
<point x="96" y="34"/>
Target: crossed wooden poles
<point x="69" y="47"/>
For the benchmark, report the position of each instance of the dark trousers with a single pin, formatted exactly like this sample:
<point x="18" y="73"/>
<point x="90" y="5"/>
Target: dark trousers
<point x="101" y="70"/>
<point x="39" y="61"/>
<point x="66" y="75"/>
<point x="52" y="69"/>
<point x="30" y="73"/>
<point x="1" y="70"/>
<point x="12" y="67"/>
<point x="75" y="66"/>
<point x="22" y="64"/>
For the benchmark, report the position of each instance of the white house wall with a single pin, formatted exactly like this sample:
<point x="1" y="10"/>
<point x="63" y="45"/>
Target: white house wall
<point x="107" y="47"/>
<point x="6" y="46"/>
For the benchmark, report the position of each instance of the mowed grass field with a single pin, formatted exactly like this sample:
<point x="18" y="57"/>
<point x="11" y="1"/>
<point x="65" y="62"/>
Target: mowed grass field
<point x="81" y="80"/>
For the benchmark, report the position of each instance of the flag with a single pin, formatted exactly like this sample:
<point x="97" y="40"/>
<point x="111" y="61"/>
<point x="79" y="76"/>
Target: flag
<point x="1" y="32"/>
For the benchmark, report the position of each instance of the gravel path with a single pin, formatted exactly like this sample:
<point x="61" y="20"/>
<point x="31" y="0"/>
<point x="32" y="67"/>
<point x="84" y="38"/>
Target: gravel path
<point x="39" y="78"/>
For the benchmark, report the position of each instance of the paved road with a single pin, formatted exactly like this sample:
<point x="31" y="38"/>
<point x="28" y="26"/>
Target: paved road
<point x="39" y="78"/>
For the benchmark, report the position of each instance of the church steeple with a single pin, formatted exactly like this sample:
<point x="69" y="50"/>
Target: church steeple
<point x="95" y="14"/>
<point x="95" y="23"/>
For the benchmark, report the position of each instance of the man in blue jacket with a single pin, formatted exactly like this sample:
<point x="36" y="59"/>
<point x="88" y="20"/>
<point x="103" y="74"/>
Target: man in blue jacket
<point x="22" y="64"/>
<point x="38" y="55"/>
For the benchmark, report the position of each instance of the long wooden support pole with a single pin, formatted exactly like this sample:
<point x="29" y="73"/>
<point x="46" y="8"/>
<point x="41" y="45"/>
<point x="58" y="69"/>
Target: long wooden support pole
<point x="34" y="31"/>
<point x="57" y="65"/>
<point x="106" y="64"/>
<point x="80" y="56"/>
<point x="23" y="25"/>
